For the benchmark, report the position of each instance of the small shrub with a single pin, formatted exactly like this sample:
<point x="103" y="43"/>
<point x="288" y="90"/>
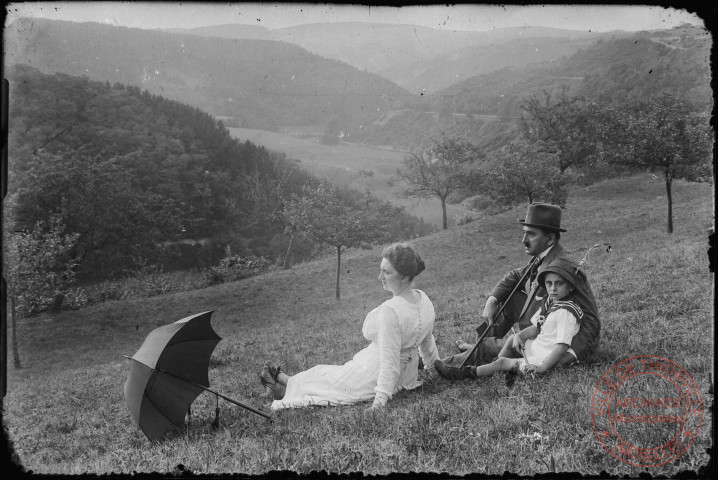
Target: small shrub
<point x="147" y="281"/>
<point x="233" y="267"/>
<point x="463" y="219"/>
<point x="150" y="281"/>
<point x="75" y="299"/>
<point x="479" y="203"/>
<point x="109" y="291"/>
<point x="213" y="276"/>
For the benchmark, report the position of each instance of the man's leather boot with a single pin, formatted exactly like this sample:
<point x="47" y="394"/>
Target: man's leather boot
<point x="455" y="373"/>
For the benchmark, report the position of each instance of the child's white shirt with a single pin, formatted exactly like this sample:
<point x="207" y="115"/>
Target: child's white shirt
<point x="560" y="326"/>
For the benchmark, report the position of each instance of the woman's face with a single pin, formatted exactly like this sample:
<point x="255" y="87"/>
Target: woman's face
<point x="391" y="280"/>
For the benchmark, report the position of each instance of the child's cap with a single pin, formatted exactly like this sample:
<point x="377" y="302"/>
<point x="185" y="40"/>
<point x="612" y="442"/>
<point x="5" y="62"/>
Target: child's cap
<point x="562" y="266"/>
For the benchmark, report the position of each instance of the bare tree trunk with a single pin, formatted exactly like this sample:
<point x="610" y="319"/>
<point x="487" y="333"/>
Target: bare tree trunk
<point x="669" y="195"/>
<point x="339" y="267"/>
<point x="15" y="351"/>
<point x="444" y="224"/>
<point x="287" y="256"/>
<point x="57" y="301"/>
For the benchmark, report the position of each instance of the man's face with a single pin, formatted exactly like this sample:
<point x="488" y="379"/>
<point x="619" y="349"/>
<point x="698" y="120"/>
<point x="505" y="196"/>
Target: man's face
<point x="535" y="240"/>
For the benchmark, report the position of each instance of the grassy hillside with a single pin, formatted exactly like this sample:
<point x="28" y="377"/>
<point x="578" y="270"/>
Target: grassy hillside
<point x="65" y="411"/>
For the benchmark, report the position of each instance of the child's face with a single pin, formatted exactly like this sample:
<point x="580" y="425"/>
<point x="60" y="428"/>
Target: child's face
<point x="556" y="286"/>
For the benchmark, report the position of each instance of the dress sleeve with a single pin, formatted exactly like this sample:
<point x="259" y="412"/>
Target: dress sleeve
<point x="389" y="341"/>
<point x="566" y="326"/>
<point x="429" y="353"/>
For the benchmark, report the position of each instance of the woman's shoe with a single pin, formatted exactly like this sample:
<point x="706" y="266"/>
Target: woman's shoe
<point x="273" y="370"/>
<point x="268" y="379"/>
<point x="265" y="378"/>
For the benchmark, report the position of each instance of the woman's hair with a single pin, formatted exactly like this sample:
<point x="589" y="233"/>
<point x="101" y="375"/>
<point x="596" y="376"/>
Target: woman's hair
<point x="404" y="259"/>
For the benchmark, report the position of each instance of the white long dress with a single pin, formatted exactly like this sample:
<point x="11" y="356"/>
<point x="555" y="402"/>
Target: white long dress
<point x="397" y="330"/>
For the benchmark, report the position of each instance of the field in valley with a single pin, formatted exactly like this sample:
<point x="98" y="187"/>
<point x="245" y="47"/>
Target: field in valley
<point x="65" y="413"/>
<point x="355" y="166"/>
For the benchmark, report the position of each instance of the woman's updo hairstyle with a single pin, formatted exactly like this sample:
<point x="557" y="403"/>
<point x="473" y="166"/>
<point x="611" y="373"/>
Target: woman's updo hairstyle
<point x="404" y="259"/>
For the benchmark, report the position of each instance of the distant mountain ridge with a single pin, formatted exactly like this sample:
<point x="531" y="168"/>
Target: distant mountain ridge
<point x="260" y="83"/>
<point x="618" y="71"/>
<point x="271" y="84"/>
<point x="420" y="59"/>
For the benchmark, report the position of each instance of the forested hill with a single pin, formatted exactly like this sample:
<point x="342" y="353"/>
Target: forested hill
<point x="129" y="170"/>
<point x="612" y="71"/>
<point x="617" y="71"/>
<point x="261" y="83"/>
<point x="124" y="167"/>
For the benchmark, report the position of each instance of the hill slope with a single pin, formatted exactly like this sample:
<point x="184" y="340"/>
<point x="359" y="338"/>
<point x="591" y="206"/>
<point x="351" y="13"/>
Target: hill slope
<point x="484" y="108"/>
<point x="131" y="171"/>
<point x="654" y="294"/>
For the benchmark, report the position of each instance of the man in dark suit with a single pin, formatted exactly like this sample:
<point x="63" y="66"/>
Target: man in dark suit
<point x="541" y="239"/>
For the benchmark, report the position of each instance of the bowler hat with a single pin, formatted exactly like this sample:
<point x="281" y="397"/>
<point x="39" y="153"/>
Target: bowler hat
<point x="562" y="266"/>
<point x="544" y="216"/>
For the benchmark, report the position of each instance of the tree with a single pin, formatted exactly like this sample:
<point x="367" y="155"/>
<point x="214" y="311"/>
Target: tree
<point x="562" y="128"/>
<point x="332" y="131"/>
<point x="41" y="266"/>
<point x="96" y="199"/>
<point x="449" y="165"/>
<point x="523" y="175"/>
<point x="321" y="215"/>
<point x="664" y="135"/>
<point x="267" y="193"/>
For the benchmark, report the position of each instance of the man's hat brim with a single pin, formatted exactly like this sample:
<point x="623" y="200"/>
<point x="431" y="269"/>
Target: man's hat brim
<point x="543" y="227"/>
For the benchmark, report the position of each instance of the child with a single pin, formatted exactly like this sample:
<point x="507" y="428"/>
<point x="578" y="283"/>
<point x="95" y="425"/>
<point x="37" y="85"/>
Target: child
<point x="547" y="339"/>
<point x="554" y="326"/>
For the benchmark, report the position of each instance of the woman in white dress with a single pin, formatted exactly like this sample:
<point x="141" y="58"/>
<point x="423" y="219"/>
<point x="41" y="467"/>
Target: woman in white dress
<point x="400" y="330"/>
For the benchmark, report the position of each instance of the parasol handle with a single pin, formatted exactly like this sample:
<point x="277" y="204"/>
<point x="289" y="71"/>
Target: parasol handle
<point x="212" y="391"/>
<point x="224" y="397"/>
<point x="215" y="422"/>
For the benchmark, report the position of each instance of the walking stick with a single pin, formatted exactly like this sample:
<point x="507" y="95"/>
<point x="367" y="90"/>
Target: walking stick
<point x="608" y="250"/>
<point x="503" y="305"/>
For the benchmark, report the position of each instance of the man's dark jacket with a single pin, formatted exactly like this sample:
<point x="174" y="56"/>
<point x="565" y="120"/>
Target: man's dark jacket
<point x="586" y="340"/>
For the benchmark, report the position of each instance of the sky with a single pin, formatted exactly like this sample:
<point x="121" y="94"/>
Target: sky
<point x="476" y="17"/>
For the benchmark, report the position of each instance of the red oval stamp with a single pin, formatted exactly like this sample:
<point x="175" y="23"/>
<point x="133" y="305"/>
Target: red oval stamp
<point x="647" y="411"/>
